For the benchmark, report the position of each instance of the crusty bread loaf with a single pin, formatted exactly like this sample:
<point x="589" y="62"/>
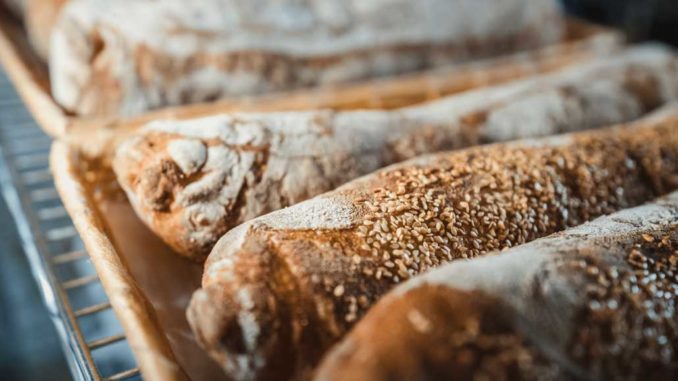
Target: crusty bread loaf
<point x="597" y="302"/>
<point x="39" y="18"/>
<point x="126" y="56"/>
<point x="448" y="334"/>
<point x="280" y="289"/>
<point x="192" y="181"/>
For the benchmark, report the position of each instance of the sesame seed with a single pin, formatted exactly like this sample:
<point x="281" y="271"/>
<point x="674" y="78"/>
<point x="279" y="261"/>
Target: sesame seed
<point x="339" y="290"/>
<point x="467" y="203"/>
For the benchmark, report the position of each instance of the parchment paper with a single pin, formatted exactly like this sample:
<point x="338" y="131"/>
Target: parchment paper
<point x="167" y="280"/>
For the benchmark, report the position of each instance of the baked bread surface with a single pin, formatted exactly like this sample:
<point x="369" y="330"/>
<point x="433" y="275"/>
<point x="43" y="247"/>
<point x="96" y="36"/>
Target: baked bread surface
<point x="126" y="56"/>
<point x="596" y="302"/>
<point x="279" y="289"/>
<point x="192" y="181"/>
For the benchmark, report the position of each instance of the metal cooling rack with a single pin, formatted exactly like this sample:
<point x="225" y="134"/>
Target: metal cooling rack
<point x="91" y="336"/>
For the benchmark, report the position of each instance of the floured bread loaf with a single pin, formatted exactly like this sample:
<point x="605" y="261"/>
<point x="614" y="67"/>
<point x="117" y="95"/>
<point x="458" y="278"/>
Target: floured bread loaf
<point x="597" y="302"/>
<point x="280" y="289"/>
<point x="192" y="181"/>
<point x="126" y="56"/>
<point x="40" y="17"/>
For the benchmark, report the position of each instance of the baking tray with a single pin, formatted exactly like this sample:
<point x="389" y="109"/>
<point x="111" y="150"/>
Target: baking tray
<point x="30" y="77"/>
<point x="147" y="284"/>
<point x="91" y="336"/>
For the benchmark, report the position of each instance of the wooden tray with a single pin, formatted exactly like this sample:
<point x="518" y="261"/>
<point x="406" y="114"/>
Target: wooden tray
<point x="148" y="285"/>
<point x="30" y="77"/>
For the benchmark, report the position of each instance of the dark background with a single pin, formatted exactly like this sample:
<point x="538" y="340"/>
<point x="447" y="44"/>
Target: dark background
<point x="29" y="348"/>
<point x="640" y="19"/>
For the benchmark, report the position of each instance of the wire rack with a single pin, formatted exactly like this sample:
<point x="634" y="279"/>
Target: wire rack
<point x="92" y="337"/>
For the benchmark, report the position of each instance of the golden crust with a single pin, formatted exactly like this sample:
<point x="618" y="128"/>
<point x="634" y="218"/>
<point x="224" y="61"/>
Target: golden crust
<point x="597" y="301"/>
<point x="192" y="181"/>
<point x="437" y="333"/>
<point x="351" y="249"/>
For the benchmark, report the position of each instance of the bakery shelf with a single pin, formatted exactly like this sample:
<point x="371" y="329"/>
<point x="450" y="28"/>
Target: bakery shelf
<point x="89" y="331"/>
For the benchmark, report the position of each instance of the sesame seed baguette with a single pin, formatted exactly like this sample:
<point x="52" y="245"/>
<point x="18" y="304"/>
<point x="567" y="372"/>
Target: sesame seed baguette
<point x="596" y="302"/>
<point x="124" y="57"/>
<point x="192" y="181"/>
<point x="280" y="289"/>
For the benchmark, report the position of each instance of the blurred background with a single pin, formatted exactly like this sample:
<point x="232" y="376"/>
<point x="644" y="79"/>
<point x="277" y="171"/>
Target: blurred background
<point x="639" y="19"/>
<point x="30" y="349"/>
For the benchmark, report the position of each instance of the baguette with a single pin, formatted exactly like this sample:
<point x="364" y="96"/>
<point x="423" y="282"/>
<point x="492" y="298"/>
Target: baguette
<point x="280" y="289"/>
<point x="597" y="302"/>
<point x="192" y="181"/>
<point x="124" y="57"/>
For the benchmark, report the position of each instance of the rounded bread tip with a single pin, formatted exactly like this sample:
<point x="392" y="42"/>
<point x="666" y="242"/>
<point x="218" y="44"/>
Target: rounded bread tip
<point x="199" y="312"/>
<point x="189" y="154"/>
<point x="241" y="315"/>
<point x="230" y="324"/>
<point x="344" y="352"/>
